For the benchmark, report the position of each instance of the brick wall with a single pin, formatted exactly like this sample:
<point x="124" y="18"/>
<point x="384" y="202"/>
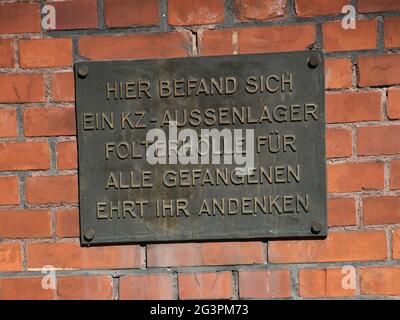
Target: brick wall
<point x="38" y="168"/>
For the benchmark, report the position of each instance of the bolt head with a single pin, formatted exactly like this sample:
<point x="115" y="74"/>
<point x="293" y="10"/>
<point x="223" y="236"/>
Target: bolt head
<point x="83" y="71"/>
<point x="89" y="234"/>
<point x="316" y="228"/>
<point x="313" y="61"/>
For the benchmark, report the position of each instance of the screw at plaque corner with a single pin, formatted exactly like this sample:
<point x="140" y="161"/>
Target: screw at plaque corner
<point x="316" y="228"/>
<point x="83" y="71"/>
<point x="313" y="61"/>
<point x="89" y="234"/>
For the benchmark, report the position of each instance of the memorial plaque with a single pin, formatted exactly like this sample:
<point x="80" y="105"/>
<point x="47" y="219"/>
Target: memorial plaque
<point x="202" y="148"/>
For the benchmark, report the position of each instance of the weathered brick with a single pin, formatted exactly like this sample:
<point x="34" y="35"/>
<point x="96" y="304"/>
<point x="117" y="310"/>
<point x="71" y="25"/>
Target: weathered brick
<point x="135" y="46"/>
<point x="195" y="12"/>
<point x="88" y="287"/>
<point x="393" y="108"/>
<point x="342" y="212"/>
<point x="276" y="38"/>
<point x="72" y="14"/>
<point x="16" y="88"/>
<point x="10" y="258"/>
<point x="312" y="8"/>
<point x="53" y="121"/>
<point x="19" y="17"/>
<point x="67" y="155"/>
<point x="379" y="70"/>
<point x="396" y="244"/>
<point x="367" y="6"/>
<point x="264" y="284"/>
<point x="32" y="155"/>
<point x="378" y="140"/>
<point x="392" y="32"/>
<point x="51" y="189"/>
<point x="70" y="255"/>
<point x="9" y="190"/>
<point x="146" y="287"/>
<point x="338" y="73"/>
<point x="364" y="36"/>
<point x="125" y="13"/>
<point x="353" y="106"/>
<point x="217" y="42"/>
<point x="395" y="175"/>
<point x="27" y="288"/>
<point x="63" y="87"/>
<point x="197" y="254"/>
<point x="338" y="143"/>
<point x="247" y="10"/>
<point x="40" y="53"/>
<point x="380" y="281"/>
<point x="381" y="210"/>
<point x="25" y="224"/>
<point x="353" y="177"/>
<point x="205" y="285"/>
<point x="336" y="247"/>
<point x="8" y="123"/>
<point x="67" y="224"/>
<point x="6" y="53"/>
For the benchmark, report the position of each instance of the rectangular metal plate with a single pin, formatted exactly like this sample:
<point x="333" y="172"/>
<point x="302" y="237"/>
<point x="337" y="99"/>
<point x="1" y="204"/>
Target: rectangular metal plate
<point x="278" y="97"/>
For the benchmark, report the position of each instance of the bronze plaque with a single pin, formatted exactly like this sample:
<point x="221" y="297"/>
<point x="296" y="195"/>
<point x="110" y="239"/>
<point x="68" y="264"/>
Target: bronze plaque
<point x="202" y="148"/>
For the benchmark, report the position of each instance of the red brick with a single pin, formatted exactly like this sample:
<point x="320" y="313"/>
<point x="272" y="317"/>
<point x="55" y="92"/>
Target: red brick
<point x="63" y="87"/>
<point x="381" y="210"/>
<point x="10" y="258"/>
<point x="125" y="13"/>
<point x="276" y="38"/>
<point x="24" y="289"/>
<point x="319" y="283"/>
<point x="338" y="73"/>
<point x="338" y="246"/>
<point x="367" y="6"/>
<point x="40" y="53"/>
<point x="9" y="187"/>
<point x="85" y="287"/>
<point x="6" y="53"/>
<point x="197" y="254"/>
<point x="74" y="14"/>
<point x="364" y="36"/>
<point x="380" y="281"/>
<point x="392" y="32"/>
<point x="393" y="111"/>
<point x="135" y="46"/>
<point x="395" y="175"/>
<point x="342" y="212"/>
<point x="378" y="140"/>
<point x="338" y="143"/>
<point x="8" y="123"/>
<point x="379" y="70"/>
<point x="67" y="223"/>
<point x="264" y="284"/>
<point x="146" y="287"/>
<point x="67" y="157"/>
<point x="396" y="244"/>
<point x="353" y="106"/>
<point x="353" y="177"/>
<point x="51" y="189"/>
<point x="195" y="12"/>
<point x="53" y="121"/>
<point x="312" y="8"/>
<point x="206" y="285"/>
<point x="246" y="10"/>
<point x="25" y="224"/>
<point x="19" y="17"/>
<point x="32" y="155"/>
<point x="18" y="88"/>
<point x="70" y="255"/>
<point x="216" y="42"/>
